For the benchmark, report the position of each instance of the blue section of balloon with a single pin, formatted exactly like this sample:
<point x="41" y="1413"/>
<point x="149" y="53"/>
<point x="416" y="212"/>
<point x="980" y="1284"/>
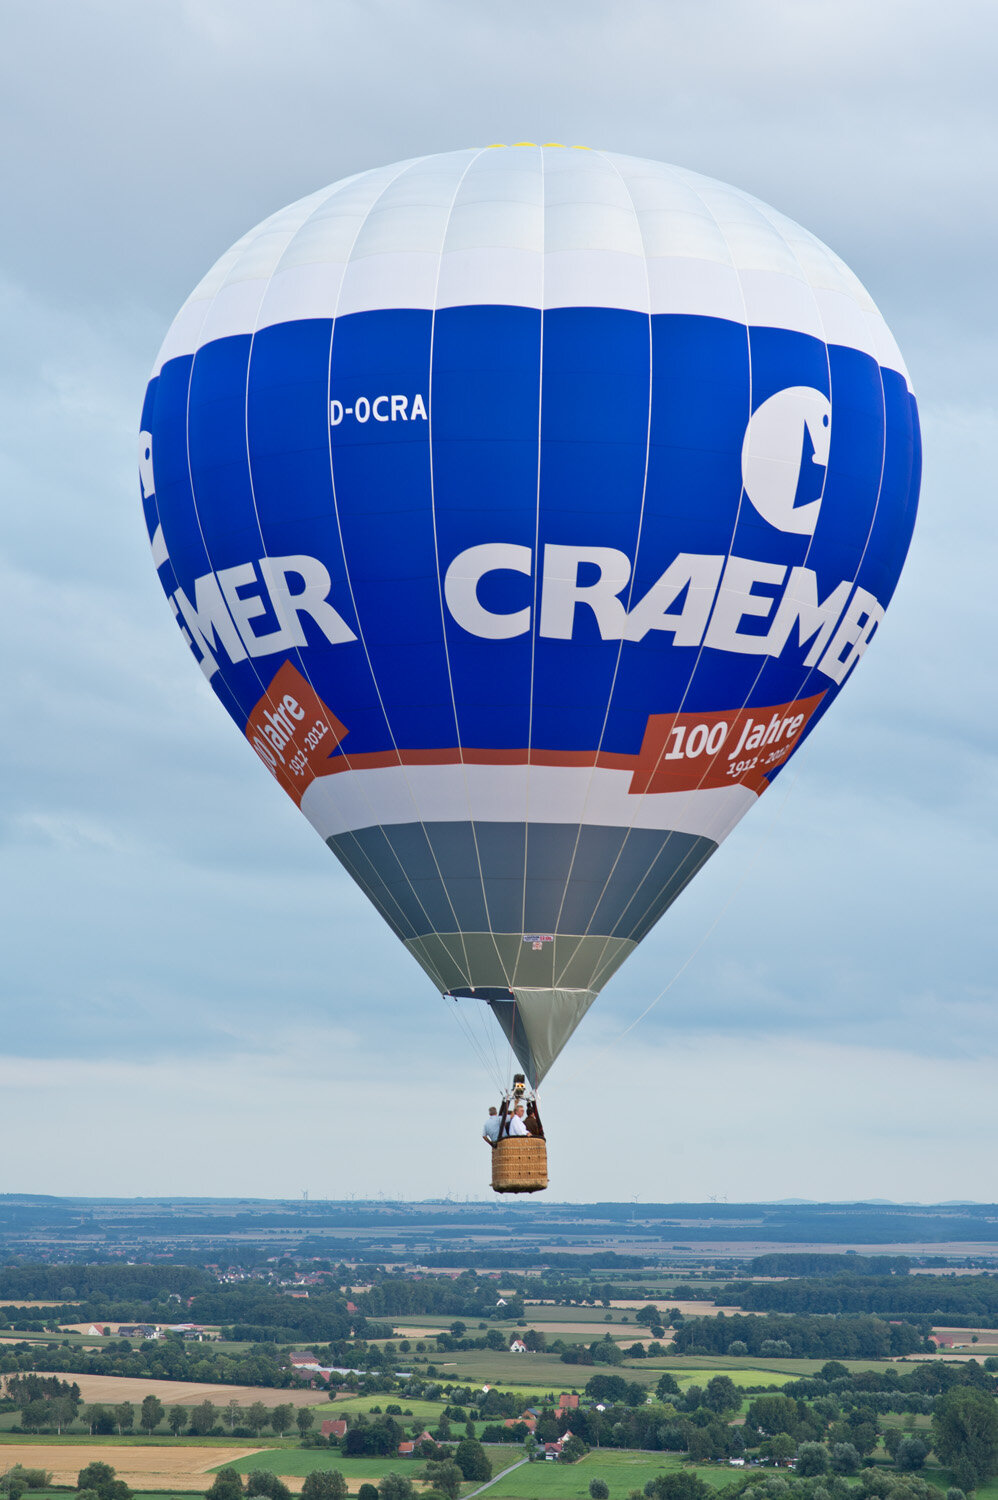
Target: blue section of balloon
<point x="528" y="441"/>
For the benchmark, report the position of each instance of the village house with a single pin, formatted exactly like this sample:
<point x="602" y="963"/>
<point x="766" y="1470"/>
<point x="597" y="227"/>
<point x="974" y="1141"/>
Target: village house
<point x="333" y="1427"/>
<point x="517" y="1347"/>
<point x="568" y="1401"/>
<point x="408" y="1449"/>
<point x="138" y="1331"/>
<point x="553" y="1450"/>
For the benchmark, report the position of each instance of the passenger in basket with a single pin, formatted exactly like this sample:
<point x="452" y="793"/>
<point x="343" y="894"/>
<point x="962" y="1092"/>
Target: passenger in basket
<point x="533" y="1121"/>
<point x="490" y="1130"/>
<point x="514" y="1122"/>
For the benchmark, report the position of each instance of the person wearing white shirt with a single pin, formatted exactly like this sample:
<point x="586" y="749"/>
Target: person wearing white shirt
<point x="514" y="1122"/>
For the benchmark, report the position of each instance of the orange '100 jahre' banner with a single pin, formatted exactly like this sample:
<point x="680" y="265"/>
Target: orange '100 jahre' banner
<point x="681" y="752"/>
<point x="293" y="731"/>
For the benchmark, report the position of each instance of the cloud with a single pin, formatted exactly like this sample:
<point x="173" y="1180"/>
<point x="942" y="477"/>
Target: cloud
<point x="747" y="1120"/>
<point x="184" y="955"/>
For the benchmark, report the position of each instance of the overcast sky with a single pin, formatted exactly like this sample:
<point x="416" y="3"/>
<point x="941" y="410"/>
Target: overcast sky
<point x="195" y="999"/>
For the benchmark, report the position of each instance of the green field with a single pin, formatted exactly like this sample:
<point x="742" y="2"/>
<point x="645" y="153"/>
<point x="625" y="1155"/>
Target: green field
<point x="767" y="1369"/>
<point x="545" y="1372"/>
<point x="297" y="1462"/>
<point x="685" y="1377"/>
<point x="422" y="1411"/>
<point x="622" y="1471"/>
<point x="536" y="1372"/>
<point x="943" y="1479"/>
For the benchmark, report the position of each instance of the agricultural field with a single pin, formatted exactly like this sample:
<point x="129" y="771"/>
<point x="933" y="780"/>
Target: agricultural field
<point x="688" y="1309"/>
<point x="741" y="1377"/>
<point x="293" y="1465"/>
<point x="622" y="1471"/>
<point x="112" y="1388"/>
<point x="980" y="1341"/>
<point x="349" y="1405"/>
<point x="145" y="1467"/>
<point x="543" y="1372"/>
<point x="20" y="1302"/>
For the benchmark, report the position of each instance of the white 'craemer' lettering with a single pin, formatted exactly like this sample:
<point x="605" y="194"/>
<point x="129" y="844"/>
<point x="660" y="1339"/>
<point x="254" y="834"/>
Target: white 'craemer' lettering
<point x="222" y="613"/>
<point x="719" y="595"/>
<point x="700" y="599"/>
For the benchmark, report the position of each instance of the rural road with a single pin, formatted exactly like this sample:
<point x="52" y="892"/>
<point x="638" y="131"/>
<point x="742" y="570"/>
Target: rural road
<point x="496" y="1477"/>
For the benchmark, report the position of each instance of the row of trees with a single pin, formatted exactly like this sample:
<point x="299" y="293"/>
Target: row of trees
<point x="75" y="1282"/>
<point x="970" y="1301"/>
<point x="801" y="1337"/>
<point x="469" y="1463"/>
<point x="173" y="1359"/>
<point x="55" y="1412"/>
<point x="260" y="1310"/>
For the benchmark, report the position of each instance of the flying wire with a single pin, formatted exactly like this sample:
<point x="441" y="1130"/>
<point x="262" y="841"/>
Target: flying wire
<point x="583" y="1068"/>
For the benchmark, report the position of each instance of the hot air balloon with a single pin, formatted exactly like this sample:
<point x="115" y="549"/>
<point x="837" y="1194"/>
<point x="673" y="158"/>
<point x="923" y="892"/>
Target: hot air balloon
<point x="527" y="508"/>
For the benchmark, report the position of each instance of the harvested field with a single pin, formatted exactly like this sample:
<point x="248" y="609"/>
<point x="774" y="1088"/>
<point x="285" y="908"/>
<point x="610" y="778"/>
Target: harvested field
<point x="293" y="1465"/>
<point x="987" y="1338"/>
<point x="19" y="1302"/>
<point x="142" y="1468"/>
<point x="587" y="1332"/>
<point x="688" y="1309"/>
<point x="184" y="1392"/>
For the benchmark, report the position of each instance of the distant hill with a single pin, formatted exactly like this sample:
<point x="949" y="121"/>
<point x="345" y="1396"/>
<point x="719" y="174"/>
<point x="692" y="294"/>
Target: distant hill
<point x="441" y="1232"/>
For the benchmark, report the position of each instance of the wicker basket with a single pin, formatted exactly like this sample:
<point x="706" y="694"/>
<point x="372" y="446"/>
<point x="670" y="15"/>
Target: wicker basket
<point x="520" y="1165"/>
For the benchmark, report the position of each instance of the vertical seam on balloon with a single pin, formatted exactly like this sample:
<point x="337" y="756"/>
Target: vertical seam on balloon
<point x="691" y="851"/>
<point x="440" y="594"/>
<point x="536" y="570"/>
<point x="883" y="458"/>
<point x="265" y="690"/>
<point x="559" y="979"/>
<point x="369" y="884"/>
<point x="353" y="600"/>
<point x="639" y="801"/>
<point x="190" y="469"/>
<point x="363" y="638"/>
<point x="426" y="962"/>
<point x="760" y="211"/>
<point x="190" y="380"/>
<point x="692" y="792"/>
<point x="809" y="673"/>
<point x="295" y="650"/>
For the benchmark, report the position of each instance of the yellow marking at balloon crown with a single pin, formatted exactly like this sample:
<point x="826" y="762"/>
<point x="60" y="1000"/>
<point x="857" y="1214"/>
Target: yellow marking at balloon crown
<point x="501" y="145"/>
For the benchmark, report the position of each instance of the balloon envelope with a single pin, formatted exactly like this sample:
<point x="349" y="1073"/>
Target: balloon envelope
<point x="527" y="508"/>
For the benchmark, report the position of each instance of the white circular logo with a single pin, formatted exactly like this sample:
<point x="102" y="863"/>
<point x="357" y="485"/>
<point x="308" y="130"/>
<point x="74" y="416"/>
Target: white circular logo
<point x="785" y="456"/>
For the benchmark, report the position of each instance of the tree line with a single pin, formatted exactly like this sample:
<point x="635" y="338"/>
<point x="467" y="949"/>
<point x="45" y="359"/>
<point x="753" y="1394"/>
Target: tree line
<point x="798" y="1337"/>
<point x="968" y="1300"/>
<point x="72" y="1282"/>
<point x="827" y="1263"/>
